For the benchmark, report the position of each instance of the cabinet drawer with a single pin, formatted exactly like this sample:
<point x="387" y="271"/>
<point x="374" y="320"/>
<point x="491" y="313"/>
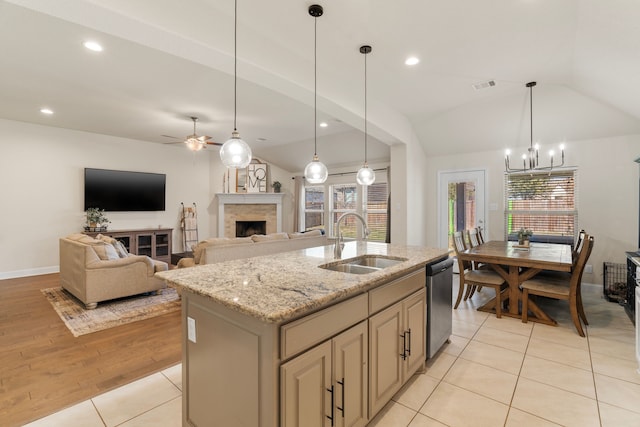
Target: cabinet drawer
<point x="388" y="294"/>
<point x="304" y="333"/>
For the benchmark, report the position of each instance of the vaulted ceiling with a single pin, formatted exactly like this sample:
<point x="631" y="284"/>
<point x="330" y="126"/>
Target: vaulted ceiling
<point x="165" y="61"/>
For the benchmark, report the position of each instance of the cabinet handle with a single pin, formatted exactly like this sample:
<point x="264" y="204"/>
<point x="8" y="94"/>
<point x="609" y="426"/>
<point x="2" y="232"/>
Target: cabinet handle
<point x="330" y="390"/>
<point x="342" y="384"/>
<point x="404" y="346"/>
<point x="409" y="348"/>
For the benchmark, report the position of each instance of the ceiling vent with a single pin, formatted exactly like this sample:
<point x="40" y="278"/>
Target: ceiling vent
<point x="484" y="85"/>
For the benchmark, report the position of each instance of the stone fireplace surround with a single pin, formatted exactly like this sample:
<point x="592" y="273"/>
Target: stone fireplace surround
<point x="234" y="207"/>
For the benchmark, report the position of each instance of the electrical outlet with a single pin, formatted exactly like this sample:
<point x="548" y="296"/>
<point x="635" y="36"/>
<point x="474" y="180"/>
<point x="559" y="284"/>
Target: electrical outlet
<point x="588" y="269"/>
<point x="191" y="329"/>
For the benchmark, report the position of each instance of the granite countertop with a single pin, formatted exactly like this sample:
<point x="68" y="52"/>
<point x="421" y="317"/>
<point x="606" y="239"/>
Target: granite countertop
<point x="280" y="287"/>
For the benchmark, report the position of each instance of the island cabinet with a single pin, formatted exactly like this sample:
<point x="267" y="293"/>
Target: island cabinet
<point x="336" y="365"/>
<point x="327" y="384"/>
<point x="397" y="348"/>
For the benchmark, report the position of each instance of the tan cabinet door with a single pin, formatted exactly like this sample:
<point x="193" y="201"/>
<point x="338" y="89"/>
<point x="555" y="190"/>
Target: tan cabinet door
<point x="350" y="376"/>
<point x="415" y="323"/>
<point x="305" y="381"/>
<point x="385" y="369"/>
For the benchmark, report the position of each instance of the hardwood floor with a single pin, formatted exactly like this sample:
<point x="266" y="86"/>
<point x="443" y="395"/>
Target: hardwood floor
<point x="43" y="368"/>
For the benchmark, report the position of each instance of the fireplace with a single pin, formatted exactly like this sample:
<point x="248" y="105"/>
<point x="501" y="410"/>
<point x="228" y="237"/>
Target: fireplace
<point x="250" y="208"/>
<point x="249" y="228"/>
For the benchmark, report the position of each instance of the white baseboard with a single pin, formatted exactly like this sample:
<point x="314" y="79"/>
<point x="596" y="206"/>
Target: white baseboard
<point x="29" y="272"/>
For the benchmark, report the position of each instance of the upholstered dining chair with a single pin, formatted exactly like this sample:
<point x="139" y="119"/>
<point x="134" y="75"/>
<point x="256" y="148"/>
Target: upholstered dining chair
<point x="472" y="278"/>
<point x="567" y="288"/>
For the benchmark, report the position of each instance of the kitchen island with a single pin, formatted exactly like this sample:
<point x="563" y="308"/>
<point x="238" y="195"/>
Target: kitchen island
<point x="276" y="340"/>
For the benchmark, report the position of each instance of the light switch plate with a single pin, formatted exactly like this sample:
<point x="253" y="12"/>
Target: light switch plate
<point x="191" y="329"/>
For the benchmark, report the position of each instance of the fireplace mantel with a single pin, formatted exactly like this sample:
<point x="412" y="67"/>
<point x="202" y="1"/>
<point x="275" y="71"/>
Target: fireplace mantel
<point x="248" y="199"/>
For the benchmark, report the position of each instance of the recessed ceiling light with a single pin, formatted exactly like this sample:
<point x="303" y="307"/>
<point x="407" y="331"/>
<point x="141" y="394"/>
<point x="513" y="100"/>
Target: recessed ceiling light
<point x="94" y="46"/>
<point x="412" y="60"/>
<point x="323" y="125"/>
<point x="47" y="111"/>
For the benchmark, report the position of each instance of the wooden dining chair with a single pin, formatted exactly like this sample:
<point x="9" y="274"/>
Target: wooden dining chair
<point x="480" y="235"/>
<point x="568" y="288"/>
<point x="471" y="278"/>
<point x="472" y="237"/>
<point x="474" y="240"/>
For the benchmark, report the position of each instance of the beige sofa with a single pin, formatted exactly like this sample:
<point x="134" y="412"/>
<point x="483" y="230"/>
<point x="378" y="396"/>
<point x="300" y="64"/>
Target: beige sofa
<point x="100" y="269"/>
<point x="219" y="249"/>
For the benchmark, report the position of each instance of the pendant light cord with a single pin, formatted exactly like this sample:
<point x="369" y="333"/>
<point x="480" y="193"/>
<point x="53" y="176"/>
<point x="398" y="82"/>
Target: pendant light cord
<point x="235" y="67"/>
<point x="315" y="86"/>
<point x="531" y="116"/>
<point x="365" y="109"/>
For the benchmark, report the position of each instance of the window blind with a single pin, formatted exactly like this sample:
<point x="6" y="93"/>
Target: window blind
<point x="544" y="202"/>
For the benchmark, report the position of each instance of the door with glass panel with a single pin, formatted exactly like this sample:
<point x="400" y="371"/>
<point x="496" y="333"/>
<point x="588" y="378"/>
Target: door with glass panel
<point x="461" y="203"/>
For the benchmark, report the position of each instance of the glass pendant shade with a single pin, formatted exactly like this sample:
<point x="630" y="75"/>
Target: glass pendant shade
<point x="315" y="172"/>
<point x="366" y="175"/>
<point x="194" y="144"/>
<point x="235" y="153"/>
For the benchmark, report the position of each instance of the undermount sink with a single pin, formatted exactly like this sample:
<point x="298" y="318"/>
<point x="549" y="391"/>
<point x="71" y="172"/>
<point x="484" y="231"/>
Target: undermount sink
<point x="363" y="264"/>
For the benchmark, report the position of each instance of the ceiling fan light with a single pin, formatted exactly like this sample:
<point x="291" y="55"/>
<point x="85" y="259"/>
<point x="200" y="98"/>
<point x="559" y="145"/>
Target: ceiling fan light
<point x="366" y="175"/>
<point x="316" y="172"/>
<point x="194" y="144"/>
<point x="235" y="153"/>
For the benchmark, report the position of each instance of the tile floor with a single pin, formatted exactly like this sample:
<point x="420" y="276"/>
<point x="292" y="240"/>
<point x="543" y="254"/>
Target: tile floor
<point x="494" y="372"/>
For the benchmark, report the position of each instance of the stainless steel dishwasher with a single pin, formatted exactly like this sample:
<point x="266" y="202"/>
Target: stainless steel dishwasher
<point x="439" y="304"/>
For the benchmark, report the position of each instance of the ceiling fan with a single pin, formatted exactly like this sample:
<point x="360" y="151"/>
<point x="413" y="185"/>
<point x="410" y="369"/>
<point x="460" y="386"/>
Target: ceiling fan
<point x="194" y="142"/>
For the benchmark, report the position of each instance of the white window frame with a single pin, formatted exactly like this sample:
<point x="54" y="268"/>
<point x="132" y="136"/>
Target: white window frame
<point x="361" y="201"/>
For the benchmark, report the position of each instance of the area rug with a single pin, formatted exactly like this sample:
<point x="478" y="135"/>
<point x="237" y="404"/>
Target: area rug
<point x="111" y="313"/>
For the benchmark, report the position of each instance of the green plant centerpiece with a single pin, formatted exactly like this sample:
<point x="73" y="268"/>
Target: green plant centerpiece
<point x="96" y="220"/>
<point x="276" y="186"/>
<point x="524" y="235"/>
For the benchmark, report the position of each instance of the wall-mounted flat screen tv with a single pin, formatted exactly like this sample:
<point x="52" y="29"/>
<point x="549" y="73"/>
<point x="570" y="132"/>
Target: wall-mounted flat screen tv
<point x="124" y="191"/>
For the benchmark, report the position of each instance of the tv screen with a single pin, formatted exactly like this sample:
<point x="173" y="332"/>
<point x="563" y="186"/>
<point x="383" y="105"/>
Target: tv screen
<point x="114" y="191"/>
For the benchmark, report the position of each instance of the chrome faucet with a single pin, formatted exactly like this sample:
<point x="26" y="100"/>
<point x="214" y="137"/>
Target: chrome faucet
<point x="337" y="252"/>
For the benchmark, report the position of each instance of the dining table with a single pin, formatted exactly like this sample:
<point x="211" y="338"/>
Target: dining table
<point x="517" y="263"/>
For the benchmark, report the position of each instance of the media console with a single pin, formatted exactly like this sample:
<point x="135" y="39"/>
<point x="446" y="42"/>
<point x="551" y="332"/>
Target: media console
<point x="152" y="242"/>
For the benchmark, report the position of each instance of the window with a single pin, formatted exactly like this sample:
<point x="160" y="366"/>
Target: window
<point x="324" y="204"/>
<point x="376" y="208"/>
<point x="314" y="208"/>
<point x="344" y="199"/>
<point x="542" y="202"/>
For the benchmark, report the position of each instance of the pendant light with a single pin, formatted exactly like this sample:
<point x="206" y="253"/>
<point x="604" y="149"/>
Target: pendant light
<point x="315" y="172"/>
<point x="366" y="175"/>
<point x="235" y="153"/>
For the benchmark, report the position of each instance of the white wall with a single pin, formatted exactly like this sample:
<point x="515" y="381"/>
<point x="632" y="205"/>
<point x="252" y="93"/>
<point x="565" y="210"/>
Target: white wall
<point x="607" y="194"/>
<point x="41" y="196"/>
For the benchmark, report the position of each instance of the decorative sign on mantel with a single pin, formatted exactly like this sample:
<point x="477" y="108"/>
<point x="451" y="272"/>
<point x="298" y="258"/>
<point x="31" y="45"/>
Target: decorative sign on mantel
<point x="253" y="178"/>
<point x="256" y="177"/>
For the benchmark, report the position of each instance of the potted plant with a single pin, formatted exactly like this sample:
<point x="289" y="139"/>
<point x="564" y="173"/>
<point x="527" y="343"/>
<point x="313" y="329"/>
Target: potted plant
<point x="276" y="186"/>
<point x="524" y="236"/>
<point x="96" y="220"/>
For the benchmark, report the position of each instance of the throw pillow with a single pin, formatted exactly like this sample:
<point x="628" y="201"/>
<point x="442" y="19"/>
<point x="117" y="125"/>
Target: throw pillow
<point x="120" y="249"/>
<point x="110" y="252"/>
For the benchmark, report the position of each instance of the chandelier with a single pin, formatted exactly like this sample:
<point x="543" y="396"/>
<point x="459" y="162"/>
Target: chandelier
<point x="530" y="158"/>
